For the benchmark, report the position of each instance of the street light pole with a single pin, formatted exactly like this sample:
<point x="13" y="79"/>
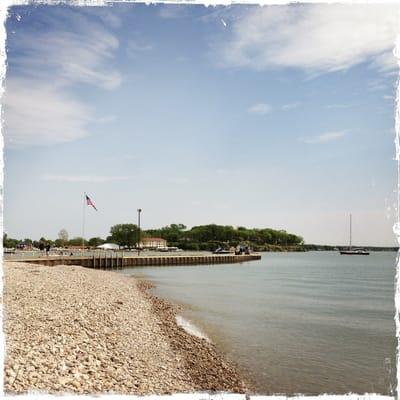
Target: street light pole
<point x="138" y="245"/>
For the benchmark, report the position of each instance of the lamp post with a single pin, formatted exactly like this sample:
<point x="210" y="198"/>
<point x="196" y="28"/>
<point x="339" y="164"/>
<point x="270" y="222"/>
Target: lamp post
<point x="138" y="245"/>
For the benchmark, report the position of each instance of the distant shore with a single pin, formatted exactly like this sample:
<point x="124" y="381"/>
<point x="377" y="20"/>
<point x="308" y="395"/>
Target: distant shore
<point x="72" y="329"/>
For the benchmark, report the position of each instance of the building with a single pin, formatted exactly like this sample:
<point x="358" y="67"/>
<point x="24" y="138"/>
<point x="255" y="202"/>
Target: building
<point x="153" y="243"/>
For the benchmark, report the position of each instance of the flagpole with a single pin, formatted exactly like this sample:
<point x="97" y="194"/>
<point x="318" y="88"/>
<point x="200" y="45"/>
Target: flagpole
<point x="83" y="220"/>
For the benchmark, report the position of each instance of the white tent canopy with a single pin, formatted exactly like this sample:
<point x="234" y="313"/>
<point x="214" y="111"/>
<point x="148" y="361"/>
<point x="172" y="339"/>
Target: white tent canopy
<point x="108" y="246"/>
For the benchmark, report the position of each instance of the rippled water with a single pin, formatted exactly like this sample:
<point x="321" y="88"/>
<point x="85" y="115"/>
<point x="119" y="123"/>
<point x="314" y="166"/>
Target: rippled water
<point x="314" y="322"/>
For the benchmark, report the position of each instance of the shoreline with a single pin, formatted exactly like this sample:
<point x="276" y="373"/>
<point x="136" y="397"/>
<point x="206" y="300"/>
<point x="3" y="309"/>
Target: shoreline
<point x="78" y="330"/>
<point x="200" y="354"/>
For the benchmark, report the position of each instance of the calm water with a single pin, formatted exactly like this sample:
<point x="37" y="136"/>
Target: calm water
<point x="314" y="322"/>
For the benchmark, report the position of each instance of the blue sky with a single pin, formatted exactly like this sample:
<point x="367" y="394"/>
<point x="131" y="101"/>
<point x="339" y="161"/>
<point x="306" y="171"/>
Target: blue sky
<point x="275" y="116"/>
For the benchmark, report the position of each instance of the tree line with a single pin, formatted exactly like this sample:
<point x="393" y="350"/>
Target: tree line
<point x="209" y="237"/>
<point x="201" y="237"/>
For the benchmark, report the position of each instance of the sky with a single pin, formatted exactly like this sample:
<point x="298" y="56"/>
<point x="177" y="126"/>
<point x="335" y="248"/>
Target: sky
<point x="273" y="116"/>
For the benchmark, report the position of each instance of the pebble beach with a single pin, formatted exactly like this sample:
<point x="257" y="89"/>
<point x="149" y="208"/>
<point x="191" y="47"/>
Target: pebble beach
<point x="69" y="329"/>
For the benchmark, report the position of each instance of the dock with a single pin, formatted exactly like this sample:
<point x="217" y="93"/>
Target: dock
<point x="119" y="262"/>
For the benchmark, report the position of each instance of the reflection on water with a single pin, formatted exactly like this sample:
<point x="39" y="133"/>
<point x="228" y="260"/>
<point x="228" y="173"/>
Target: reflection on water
<point x="314" y="322"/>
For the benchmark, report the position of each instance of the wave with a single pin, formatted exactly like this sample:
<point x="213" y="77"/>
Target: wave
<point x="190" y="328"/>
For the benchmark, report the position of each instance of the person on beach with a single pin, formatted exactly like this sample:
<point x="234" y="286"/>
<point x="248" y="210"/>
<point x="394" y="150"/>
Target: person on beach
<point x="47" y="249"/>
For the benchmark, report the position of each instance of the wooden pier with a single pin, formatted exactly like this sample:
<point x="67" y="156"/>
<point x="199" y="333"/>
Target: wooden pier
<point x="118" y="262"/>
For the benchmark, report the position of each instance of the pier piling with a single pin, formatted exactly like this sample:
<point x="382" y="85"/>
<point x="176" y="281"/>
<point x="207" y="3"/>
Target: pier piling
<point x="122" y="261"/>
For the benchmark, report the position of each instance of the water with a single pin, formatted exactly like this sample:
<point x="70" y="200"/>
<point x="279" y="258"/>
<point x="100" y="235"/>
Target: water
<point x="309" y="323"/>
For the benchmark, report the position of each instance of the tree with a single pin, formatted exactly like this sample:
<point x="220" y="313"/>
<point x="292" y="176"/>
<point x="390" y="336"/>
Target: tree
<point x="77" y="241"/>
<point x="206" y="236"/>
<point x="124" y="234"/>
<point x="95" y="241"/>
<point x="172" y="233"/>
<point x="9" y="243"/>
<point x="63" y="236"/>
<point x="212" y="232"/>
<point x="45" y="241"/>
<point x="59" y="243"/>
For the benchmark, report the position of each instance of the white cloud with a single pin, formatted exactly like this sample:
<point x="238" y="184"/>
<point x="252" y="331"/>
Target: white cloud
<point x="315" y="38"/>
<point x="386" y="62"/>
<point x="106" y="119"/>
<point x="70" y="49"/>
<point x="338" y="106"/>
<point x="388" y="97"/>
<point x="69" y="58"/>
<point x="325" y="137"/>
<point x="109" y="15"/>
<point x="260" y="108"/>
<point x="264" y="108"/>
<point x="84" y="178"/>
<point x="135" y="48"/>
<point x="74" y="49"/>
<point x="38" y="114"/>
<point x="377" y="85"/>
<point x="290" y="106"/>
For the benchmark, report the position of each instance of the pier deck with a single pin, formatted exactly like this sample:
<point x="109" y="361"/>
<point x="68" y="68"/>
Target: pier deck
<point x="117" y="261"/>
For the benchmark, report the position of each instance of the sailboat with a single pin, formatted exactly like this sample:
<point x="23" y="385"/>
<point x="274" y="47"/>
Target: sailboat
<point x="356" y="251"/>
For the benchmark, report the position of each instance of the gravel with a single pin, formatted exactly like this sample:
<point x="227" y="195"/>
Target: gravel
<point x="73" y="329"/>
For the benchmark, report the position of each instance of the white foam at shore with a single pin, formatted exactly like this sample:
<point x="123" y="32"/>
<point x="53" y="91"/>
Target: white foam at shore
<point x="191" y="328"/>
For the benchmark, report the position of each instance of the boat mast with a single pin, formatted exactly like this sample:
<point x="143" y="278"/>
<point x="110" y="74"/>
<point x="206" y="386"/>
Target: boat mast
<point x="350" y="231"/>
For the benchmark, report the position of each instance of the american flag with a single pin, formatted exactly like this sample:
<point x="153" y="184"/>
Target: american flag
<point x="89" y="202"/>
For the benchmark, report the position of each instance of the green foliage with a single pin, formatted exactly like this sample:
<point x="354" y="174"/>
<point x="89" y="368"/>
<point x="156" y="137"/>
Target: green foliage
<point x="59" y="243"/>
<point x="77" y="241"/>
<point x="319" y="247"/>
<point x="124" y="235"/>
<point x="209" y="237"/>
<point x="9" y="243"/>
<point x="208" y="233"/>
<point x="95" y="241"/>
<point x="202" y="237"/>
<point x="172" y="233"/>
<point x="46" y="241"/>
